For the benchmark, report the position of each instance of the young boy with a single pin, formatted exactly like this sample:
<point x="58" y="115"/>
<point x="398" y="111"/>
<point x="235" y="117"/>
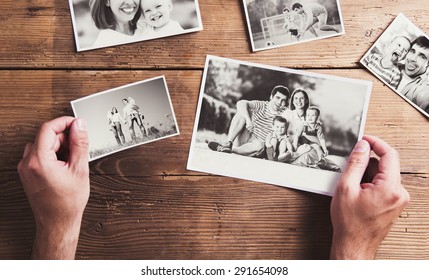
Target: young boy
<point x="385" y="65"/>
<point x="277" y="140"/>
<point x="292" y="24"/>
<point x="312" y="132"/>
<point x="156" y="14"/>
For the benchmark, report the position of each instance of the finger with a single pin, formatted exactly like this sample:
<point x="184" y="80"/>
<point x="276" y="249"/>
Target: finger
<point x="389" y="158"/>
<point x="370" y="171"/>
<point x="27" y="149"/>
<point x="46" y="139"/>
<point x="357" y="164"/>
<point x="78" y="144"/>
<point x="62" y="142"/>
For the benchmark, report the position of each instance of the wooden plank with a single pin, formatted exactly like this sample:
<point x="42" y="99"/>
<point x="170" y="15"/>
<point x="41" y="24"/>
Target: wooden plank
<point x="44" y="95"/>
<point x="205" y="217"/>
<point x="42" y="37"/>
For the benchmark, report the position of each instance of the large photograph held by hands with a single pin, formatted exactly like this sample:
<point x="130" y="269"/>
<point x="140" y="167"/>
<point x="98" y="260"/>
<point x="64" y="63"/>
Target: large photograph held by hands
<point x="276" y="125"/>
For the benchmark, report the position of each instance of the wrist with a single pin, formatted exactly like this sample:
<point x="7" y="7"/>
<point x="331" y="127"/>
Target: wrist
<point x="56" y="241"/>
<point x="348" y="249"/>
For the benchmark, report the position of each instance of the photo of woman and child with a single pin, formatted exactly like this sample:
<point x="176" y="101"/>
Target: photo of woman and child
<point x="260" y="122"/>
<point x="102" y="23"/>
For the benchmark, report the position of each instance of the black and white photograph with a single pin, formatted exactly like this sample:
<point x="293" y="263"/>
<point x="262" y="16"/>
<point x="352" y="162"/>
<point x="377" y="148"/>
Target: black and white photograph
<point x="277" y="23"/>
<point x="127" y="116"/>
<point x="104" y="23"/>
<point x="400" y="59"/>
<point x="276" y="125"/>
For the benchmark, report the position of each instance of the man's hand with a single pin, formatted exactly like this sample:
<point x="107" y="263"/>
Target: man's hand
<point x="55" y="174"/>
<point x="363" y="211"/>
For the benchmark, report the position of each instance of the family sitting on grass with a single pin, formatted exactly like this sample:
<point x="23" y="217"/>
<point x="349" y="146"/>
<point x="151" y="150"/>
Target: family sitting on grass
<point x="279" y="132"/>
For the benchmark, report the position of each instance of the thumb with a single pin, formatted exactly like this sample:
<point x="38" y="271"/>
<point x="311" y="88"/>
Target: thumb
<point x="357" y="163"/>
<point x="78" y="143"/>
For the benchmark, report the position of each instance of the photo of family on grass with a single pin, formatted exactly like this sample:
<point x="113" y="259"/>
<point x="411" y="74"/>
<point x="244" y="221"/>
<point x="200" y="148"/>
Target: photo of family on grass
<point x="276" y="125"/>
<point x="138" y="113"/>
<point x="276" y="23"/>
<point x="400" y="59"/>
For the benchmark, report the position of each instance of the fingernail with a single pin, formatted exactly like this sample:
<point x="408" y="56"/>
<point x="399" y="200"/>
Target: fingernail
<point x="361" y="146"/>
<point x="81" y="124"/>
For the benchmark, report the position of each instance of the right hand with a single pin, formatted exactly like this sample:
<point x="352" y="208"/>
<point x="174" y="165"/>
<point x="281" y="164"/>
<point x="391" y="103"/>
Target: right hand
<point x="363" y="212"/>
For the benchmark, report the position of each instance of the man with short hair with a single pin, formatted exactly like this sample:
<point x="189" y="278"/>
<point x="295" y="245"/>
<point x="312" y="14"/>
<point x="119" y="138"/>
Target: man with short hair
<point x="131" y="116"/>
<point x="314" y="13"/>
<point x="252" y="123"/>
<point x="414" y="83"/>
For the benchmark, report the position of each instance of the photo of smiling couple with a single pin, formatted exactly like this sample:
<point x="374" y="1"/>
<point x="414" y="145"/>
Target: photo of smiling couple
<point x="102" y="23"/>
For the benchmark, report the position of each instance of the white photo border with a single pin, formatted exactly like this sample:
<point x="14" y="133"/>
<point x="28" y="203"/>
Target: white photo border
<point x="123" y="87"/>
<point x="304" y="178"/>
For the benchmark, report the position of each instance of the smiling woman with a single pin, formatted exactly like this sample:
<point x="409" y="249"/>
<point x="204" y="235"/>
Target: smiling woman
<point x="117" y="20"/>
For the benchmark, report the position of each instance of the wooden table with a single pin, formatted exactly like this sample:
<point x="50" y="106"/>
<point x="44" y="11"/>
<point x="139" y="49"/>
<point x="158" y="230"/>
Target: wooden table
<point x="144" y="204"/>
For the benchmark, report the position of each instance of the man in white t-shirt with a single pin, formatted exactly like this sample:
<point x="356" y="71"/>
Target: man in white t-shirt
<point x="131" y="116"/>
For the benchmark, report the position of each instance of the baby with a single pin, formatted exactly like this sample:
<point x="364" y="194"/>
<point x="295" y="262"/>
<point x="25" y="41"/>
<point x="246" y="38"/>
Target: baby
<point x="156" y="14"/>
<point x="277" y="142"/>
<point x="385" y="65"/>
<point x="312" y="132"/>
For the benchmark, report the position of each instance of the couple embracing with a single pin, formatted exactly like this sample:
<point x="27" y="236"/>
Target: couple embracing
<point x="278" y="131"/>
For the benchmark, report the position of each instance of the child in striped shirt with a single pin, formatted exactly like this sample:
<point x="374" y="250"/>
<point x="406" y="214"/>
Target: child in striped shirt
<point x="385" y="65"/>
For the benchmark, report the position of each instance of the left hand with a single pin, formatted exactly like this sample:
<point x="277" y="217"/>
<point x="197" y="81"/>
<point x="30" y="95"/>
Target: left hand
<point x="55" y="174"/>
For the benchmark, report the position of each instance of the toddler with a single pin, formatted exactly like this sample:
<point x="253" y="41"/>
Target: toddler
<point x="156" y="14"/>
<point x="277" y="142"/>
<point x="312" y="132"/>
<point x="385" y="65"/>
<point x="292" y="23"/>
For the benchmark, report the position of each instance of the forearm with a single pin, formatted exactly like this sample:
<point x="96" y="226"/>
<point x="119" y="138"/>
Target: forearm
<point x="57" y="242"/>
<point x="243" y="110"/>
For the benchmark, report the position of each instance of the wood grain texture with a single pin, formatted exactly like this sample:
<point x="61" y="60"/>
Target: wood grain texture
<point x="143" y="206"/>
<point x="44" y="38"/>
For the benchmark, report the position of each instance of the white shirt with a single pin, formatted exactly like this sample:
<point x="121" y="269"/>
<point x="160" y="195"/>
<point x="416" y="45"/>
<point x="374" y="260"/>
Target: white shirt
<point x="110" y="37"/>
<point x="171" y="28"/>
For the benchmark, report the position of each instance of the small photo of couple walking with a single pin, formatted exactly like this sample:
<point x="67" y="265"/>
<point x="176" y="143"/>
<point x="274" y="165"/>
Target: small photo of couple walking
<point x="275" y="125"/>
<point x="400" y="59"/>
<point x="137" y="113"/>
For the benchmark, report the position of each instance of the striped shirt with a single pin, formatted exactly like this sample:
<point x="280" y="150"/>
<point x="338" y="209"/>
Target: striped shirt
<point x="391" y="75"/>
<point x="262" y="119"/>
